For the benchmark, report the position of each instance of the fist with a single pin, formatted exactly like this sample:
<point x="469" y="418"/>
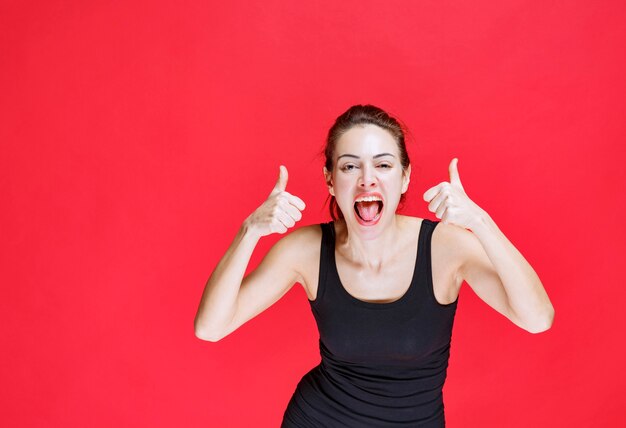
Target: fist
<point x="450" y="203"/>
<point x="279" y="212"/>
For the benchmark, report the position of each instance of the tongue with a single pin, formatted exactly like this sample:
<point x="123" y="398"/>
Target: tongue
<point x="367" y="210"/>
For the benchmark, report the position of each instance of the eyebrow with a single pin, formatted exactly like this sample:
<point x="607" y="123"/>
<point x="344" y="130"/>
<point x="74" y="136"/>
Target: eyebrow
<point x="356" y="157"/>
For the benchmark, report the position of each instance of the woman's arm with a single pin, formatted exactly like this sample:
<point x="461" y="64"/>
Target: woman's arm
<point x="490" y="264"/>
<point x="501" y="276"/>
<point x="219" y="298"/>
<point x="222" y="309"/>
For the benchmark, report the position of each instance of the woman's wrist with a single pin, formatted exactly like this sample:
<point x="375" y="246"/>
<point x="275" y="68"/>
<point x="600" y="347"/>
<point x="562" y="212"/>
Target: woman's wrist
<point x="248" y="231"/>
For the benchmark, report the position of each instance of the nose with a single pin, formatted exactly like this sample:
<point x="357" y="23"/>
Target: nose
<point x="367" y="178"/>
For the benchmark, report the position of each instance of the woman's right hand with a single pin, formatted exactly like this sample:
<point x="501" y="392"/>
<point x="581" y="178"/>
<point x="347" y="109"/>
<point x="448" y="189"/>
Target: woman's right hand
<point x="279" y="212"/>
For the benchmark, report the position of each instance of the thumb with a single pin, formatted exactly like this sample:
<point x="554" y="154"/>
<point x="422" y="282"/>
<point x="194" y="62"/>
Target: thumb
<point x="454" y="174"/>
<point x="281" y="183"/>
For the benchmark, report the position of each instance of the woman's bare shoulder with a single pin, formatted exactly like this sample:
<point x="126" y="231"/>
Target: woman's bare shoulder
<point x="448" y="251"/>
<point x="304" y="242"/>
<point x="298" y="245"/>
<point x="304" y="245"/>
<point x="446" y="237"/>
<point x="409" y="223"/>
<point x="306" y="235"/>
<point x="450" y="236"/>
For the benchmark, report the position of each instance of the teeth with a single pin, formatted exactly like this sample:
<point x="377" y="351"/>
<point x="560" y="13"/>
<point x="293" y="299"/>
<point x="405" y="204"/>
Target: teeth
<point x="368" y="199"/>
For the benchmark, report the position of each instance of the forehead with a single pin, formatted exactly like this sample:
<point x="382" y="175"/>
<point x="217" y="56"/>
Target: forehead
<point x="367" y="140"/>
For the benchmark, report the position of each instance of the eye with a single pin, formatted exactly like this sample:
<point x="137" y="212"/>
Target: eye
<point x="385" y="165"/>
<point x="347" y="167"/>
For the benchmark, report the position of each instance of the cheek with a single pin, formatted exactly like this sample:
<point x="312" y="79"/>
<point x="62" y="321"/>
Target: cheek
<point x="343" y="192"/>
<point x="342" y="183"/>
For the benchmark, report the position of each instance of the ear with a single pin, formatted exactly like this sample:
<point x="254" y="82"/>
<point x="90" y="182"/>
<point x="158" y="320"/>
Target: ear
<point x="329" y="181"/>
<point x="406" y="178"/>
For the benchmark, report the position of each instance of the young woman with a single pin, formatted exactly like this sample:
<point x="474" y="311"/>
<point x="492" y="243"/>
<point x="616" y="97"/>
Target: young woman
<point x="383" y="287"/>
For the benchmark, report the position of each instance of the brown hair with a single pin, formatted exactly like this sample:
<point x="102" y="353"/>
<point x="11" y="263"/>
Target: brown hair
<point x="359" y="115"/>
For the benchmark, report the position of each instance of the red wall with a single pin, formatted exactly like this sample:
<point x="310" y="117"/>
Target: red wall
<point x="137" y="136"/>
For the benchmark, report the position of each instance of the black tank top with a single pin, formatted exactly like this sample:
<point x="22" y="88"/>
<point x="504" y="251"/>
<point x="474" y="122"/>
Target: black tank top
<point x="382" y="364"/>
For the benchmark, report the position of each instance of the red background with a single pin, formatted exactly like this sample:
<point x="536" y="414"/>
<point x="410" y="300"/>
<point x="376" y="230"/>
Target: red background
<point x="137" y="136"/>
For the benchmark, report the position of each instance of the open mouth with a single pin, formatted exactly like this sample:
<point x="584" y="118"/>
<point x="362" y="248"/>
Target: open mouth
<point x="368" y="211"/>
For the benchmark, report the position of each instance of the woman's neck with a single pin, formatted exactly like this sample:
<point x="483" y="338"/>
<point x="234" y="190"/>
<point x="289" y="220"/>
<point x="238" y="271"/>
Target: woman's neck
<point x="373" y="249"/>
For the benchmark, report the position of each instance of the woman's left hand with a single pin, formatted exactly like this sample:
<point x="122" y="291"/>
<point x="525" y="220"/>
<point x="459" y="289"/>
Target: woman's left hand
<point x="451" y="204"/>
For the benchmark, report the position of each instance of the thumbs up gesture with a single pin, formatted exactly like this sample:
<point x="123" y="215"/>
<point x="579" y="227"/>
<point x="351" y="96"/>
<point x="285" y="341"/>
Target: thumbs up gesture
<point x="279" y="212"/>
<point x="450" y="203"/>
